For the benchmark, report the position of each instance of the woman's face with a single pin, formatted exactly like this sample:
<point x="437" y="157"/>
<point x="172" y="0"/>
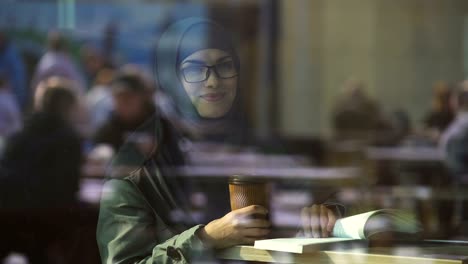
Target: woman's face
<point x="209" y="78"/>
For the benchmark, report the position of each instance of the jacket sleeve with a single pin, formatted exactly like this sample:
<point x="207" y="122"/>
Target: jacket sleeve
<point x="127" y="231"/>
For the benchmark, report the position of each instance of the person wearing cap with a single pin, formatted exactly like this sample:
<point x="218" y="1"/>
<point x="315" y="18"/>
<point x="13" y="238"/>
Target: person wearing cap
<point x="143" y="215"/>
<point x="132" y="106"/>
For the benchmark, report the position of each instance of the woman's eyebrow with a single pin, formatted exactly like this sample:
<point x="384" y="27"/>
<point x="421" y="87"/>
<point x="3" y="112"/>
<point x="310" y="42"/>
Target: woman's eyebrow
<point x="200" y="62"/>
<point x="194" y="62"/>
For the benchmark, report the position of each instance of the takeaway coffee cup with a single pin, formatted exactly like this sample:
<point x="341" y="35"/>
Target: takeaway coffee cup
<point x="246" y="190"/>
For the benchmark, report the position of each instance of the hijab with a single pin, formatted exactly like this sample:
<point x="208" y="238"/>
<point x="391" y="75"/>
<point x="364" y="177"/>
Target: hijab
<point x="179" y="41"/>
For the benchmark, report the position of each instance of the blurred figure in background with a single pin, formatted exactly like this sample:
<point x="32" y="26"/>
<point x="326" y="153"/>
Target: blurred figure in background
<point x="441" y="113"/>
<point x="356" y="116"/>
<point x="400" y="123"/>
<point x="39" y="183"/>
<point x="92" y="62"/>
<point x="455" y="139"/>
<point x="454" y="143"/>
<point x="80" y="115"/>
<point x="10" y="114"/>
<point x="99" y="98"/>
<point x="57" y="62"/>
<point x="12" y="66"/>
<point x="133" y="105"/>
<point x="111" y="32"/>
<point x="42" y="162"/>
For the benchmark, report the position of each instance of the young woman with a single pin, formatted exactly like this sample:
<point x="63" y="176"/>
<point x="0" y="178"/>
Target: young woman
<point x="142" y="217"/>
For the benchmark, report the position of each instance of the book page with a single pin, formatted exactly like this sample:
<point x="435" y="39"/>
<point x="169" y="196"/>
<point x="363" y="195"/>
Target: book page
<point x="392" y="220"/>
<point x="353" y="226"/>
<point x="345" y="229"/>
<point x="297" y="245"/>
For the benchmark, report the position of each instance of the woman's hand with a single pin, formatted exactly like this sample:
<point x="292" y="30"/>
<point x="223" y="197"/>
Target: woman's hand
<point x="237" y="227"/>
<point x="317" y="221"/>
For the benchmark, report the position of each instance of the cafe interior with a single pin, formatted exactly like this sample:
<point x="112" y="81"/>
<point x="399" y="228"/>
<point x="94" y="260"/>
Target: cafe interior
<point x="353" y="105"/>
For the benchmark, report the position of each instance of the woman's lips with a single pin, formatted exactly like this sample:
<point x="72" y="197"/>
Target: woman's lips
<point x="213" y="97"/>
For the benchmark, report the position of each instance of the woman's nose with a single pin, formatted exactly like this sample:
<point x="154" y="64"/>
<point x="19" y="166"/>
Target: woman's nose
<point x="212" y="81"/>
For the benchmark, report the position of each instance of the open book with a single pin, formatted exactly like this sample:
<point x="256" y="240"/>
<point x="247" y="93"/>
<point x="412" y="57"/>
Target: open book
<point x="361" y="226"/>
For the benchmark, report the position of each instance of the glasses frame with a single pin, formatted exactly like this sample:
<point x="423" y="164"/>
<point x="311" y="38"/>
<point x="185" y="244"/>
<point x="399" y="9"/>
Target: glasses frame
<point x="208" y="73"/>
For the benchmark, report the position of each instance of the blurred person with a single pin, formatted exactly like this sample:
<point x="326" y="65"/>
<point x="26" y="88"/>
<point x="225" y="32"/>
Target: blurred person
<point x="143" y="216"/>
<point x="356" y="116"/>
<point x="110" y="36"/>
<point x="44" y="85"/>
<point x="11" y="64"/>
<point x="142" y="73"/>
<point x="441" y="114"/>
<point x="99" y="98"/>
<point x="452" y="139"/>
<point x="10" y="114"/>
<point x="454" y="143"/>
<point x="92" y="62"/>
<point x="58" y="62"/>
<point x="43" y="160"/>
<point x="400" y="123"/>
<point x="39" y="184"/>
<point x="80" y="115"/>
<point x="132" y="106"/>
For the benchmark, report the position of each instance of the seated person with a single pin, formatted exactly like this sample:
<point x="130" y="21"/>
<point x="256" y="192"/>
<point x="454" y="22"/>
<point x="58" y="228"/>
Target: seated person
<point x="455" y="139"/>
<point x="99" y="98"/>
<point x="133" y="105"/>
<point x="454" y="143"/>
<point x="441" y="114"/>
<point x="41" y="164"/>
<point x="358" y="117"/>
<point x="143" y="216"/>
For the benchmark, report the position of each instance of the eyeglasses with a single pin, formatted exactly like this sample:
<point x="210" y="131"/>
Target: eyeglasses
<point x="200" y="73"/>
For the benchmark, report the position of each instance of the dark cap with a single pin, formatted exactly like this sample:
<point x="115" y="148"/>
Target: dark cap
<point x="128" y="83"/>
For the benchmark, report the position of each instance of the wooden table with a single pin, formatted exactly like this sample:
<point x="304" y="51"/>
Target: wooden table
<point x="447" y="254"/>
<point x="246" y="159"/>
<point x="327" y="175"/>
<point x="91" y="186"/>
<point x="414" y="154"/>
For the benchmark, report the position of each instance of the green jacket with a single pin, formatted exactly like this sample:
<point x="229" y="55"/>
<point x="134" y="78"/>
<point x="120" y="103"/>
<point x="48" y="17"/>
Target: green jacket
<point x="133" y="225"/>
